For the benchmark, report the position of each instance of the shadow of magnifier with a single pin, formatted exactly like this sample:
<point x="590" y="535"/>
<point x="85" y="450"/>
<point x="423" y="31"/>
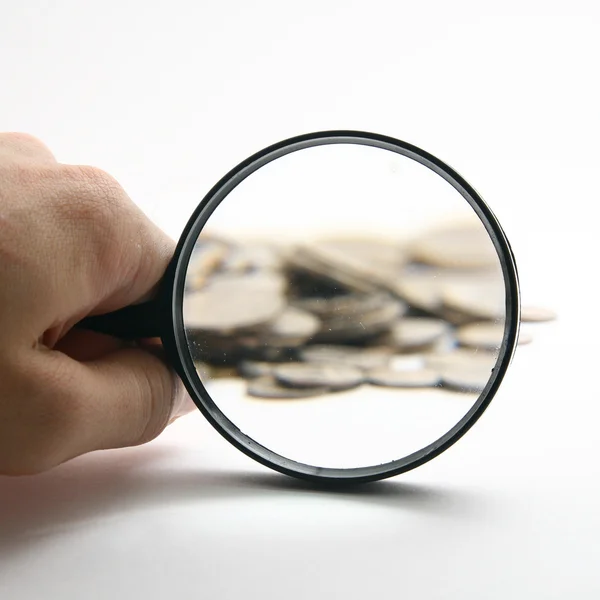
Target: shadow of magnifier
<point x="342" y="307"/>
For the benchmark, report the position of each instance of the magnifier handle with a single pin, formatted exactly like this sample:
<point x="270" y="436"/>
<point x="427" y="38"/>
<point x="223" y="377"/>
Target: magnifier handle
<point x="132" y="322"/>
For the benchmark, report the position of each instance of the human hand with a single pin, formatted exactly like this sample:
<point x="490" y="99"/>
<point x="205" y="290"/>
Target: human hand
<point x="73" y="244"/>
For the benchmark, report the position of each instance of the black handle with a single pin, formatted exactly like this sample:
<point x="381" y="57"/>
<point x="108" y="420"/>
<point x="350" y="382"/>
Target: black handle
<point x="130" y="323"/>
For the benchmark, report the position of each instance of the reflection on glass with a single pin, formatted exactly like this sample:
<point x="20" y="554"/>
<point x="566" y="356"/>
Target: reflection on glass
<point x="344" y="306"/>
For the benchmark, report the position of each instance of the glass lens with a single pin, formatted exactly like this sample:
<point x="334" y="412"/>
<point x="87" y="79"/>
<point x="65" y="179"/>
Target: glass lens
<point x="344" y="306"/>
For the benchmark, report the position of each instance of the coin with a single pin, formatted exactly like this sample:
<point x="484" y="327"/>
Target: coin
<point x="536" y="314"/>
<point x="461" y="357"/>
<point x="409" y="378"/>
<point x="267" y="387"/>
<point x="471" y="377"/>
<point x="304" y="262"/>
<point x="361" y="358"/>
<point x="208" y="254"/>
<point x="375" y="260"/>
<point x="460" y="246"/>
<point x="291" y="328"/>
<point x="420" y="290"/>
<point x="481" y="300"/>
<point x="345" y="308"/>
<point x="342" y="305"/>
<point x="368" y="249"/>
<point x="254" y="368"/>
<point x="415" y="333"/>
<point x="247" y="257"/>
<point x="361" y="324"/>
<point x="233" y="302"/>
<point x="334" y="376"/>
<point x="486" y="335"/>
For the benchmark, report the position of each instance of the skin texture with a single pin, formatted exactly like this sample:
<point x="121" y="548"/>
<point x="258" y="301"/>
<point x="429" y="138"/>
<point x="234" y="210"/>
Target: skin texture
<point x="73" y="244"/>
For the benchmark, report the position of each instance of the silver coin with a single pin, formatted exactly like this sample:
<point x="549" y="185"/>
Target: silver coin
<point x="356" y="327"/>
<point x="334" y="376"/>
<point x="412" y="378"/>
<point x="407" y="362"/>
<point x="267" y="387"/>
<point x="460" y="357"/>
<point x="343" y="305"/>
<point x="361" y="358"/>
<point x="418" y="332"/>
<point x="471" y="377"/>
<point x="372" y="260"/>
<point x="207" y="256"/>
<point x="250" y="257"/>
<point x="233" y="302"/>
<point x="251" y="369"/>
<point x="303" y="260"/>
<point x="291" y="328"/>
<point x="481" y="300"/>
<point x="486" y="335"/>
<point x="420" y="290"/>
<point x="537" y="314"/>
<point x="460" y="246"/>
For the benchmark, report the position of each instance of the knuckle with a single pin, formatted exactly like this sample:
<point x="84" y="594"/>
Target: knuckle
<point x="93" y="176"/>
<point x="93" y="193"/>
<point x="95" y="206"/>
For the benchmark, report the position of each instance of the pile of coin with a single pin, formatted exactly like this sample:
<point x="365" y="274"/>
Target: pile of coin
<point x="301" y="320"/>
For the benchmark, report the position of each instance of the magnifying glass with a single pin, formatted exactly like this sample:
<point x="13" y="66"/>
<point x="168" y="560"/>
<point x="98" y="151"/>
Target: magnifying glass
<point x="342" y="306"/>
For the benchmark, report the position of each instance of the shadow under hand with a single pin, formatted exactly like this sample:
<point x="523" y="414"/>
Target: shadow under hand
<point x="111" y="483"/>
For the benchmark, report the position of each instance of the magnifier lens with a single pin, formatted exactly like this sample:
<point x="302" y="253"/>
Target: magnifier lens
<point x="344" y="306"/>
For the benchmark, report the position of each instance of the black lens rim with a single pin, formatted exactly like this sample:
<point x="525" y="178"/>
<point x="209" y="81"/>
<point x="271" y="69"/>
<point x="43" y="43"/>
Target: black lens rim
<point x="178" y="351"/>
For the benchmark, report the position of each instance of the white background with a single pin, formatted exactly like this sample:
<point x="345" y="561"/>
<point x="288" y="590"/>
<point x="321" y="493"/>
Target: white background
<point x="169" y="96"/>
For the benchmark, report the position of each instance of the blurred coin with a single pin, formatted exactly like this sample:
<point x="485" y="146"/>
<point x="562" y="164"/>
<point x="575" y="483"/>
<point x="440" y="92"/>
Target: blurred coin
<point x="303" y="261"/>
<point x="536" y="314"/>
<point x="361" y="358"/>
<point x="461" y="246"/>
<point x="251" y="257"/>
<point x="342" y="305"/>
<point x="482" y="300"/>
<point x="361" y="325"/>
<point x="369" y="259"/>
<point x="334" y="376"/>
<point x="486" y="335"/>
<point x="420" y="290"/>
<point x="412" y="378"/>
<point x="417" y="332"/>
<point x="407" y="362"/>
<point x="233" y="302"/>
<point x="461" y="357"/>
<point x="206" y="257"/>
<point x="291" y="328"/>
<point x="267" y="387"/>
<point x="468" y="377"/>
<point x="251" y="369"/>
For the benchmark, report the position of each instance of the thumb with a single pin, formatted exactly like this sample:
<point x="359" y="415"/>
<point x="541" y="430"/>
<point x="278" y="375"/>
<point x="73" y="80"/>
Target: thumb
<point x="128" y="397"/>
<point x="124" y="398"/>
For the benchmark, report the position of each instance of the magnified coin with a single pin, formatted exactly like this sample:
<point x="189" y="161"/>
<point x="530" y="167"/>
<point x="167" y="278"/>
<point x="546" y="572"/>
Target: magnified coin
<point x="416" y="378"/>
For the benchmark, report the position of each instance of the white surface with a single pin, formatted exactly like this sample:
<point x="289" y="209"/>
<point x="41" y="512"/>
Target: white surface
<point x="168" y="97"/>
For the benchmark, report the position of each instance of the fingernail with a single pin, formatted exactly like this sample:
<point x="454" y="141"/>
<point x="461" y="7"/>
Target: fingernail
<point x="182" y="402"/>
